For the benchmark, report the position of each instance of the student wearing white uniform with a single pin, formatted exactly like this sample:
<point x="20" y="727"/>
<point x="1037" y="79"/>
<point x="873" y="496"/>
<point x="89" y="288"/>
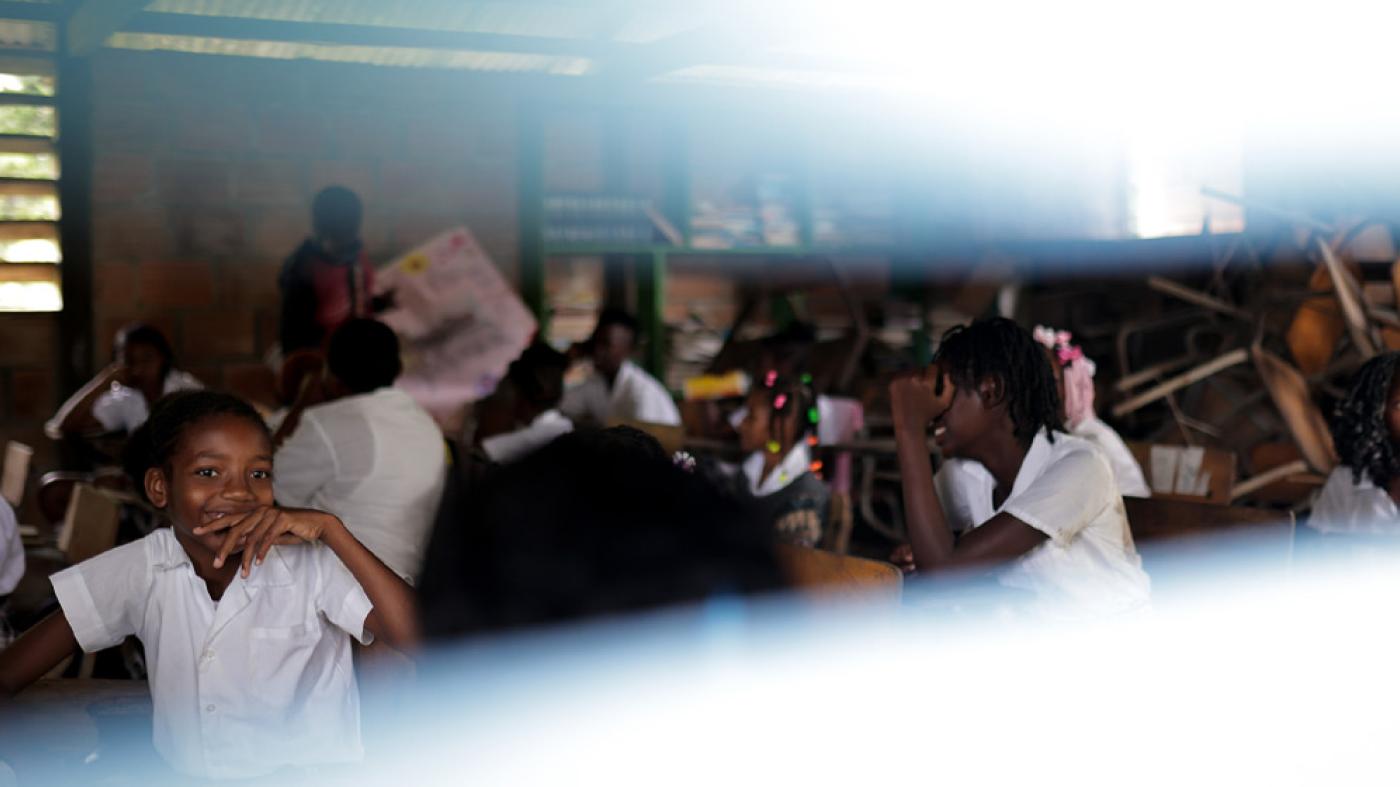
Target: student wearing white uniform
<point x="1074" y="375"/>
<point x="1360" y="495"/>
<point x="245" y="610"/>
<point x="1037" y="502"/>
<point x="528" y="399"/>
<point x="11" y="550"/>
<point x="371" y="455"/>
<point x="120" y="396"/>
<point x="618" y="390"/>
<point x="781" y="416"/>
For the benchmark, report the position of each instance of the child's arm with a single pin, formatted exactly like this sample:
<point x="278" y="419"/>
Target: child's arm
<point x="37" y="651"/>
<point x="916" y="401"/>
<point x="76" y="414"/>
<point x="394" y="617"/>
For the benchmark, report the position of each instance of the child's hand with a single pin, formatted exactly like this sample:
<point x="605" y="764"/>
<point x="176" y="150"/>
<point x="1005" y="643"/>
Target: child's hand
<point x="903" y="558"/>
<point x="260" y="529"/>
<point x="916" y="399"/>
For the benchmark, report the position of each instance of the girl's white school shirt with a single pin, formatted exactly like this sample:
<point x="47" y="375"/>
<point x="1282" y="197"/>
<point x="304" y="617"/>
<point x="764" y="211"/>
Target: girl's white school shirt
<point x="1066" y="490"/>
<point x="634" y="396"/>
<point x="1126" y="471"/>
<point x="123" y="408"/>
<point x="1347" y="506"/>
<point x="260" y="680"/>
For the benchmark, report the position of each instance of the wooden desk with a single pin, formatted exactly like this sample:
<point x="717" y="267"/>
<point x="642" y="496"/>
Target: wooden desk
<point x="81" y="732"/>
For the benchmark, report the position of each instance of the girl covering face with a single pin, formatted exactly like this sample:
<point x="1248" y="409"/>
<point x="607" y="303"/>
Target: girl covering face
<point x="245" y="618"/>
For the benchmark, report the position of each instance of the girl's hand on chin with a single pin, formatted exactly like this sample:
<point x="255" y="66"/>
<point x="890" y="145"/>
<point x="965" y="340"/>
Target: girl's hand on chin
<point x="260" y="529"/>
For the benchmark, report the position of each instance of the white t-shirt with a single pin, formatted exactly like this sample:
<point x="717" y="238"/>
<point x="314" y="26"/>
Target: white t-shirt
<point x="1345" y="506"/>
<point x="635" y="396"/>
<point x="378" y="461"/>
<point x="122" y="408"/>
<point x="1126" y="471"/>
<point x="797" y="462"/>
<point x="510" y="446"/>
<point x="258" y="681"/>
<point x="11" y="550"/>
<point x="1065" y="490"/>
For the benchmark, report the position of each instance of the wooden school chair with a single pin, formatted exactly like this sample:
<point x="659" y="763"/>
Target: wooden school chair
<point x="1187" y="532"/>
<point x="1189" y="473"/>
<point x="827" y="576"/>
<point x="1303" y="418"/>
<point x="15" y="474"/>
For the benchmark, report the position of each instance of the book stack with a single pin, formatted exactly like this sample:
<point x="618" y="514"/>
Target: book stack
<point x="598" y="218"/>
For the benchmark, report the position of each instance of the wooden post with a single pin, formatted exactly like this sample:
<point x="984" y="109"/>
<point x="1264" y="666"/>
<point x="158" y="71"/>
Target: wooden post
<point x="75" y="155"/>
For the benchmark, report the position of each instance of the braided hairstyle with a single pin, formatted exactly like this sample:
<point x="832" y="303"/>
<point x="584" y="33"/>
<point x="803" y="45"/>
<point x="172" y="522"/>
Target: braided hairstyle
<point x="156" y="441"/>
<point x="1001" y="349"/>
<point x="1359" y="428"/>
<point x="786" y="396"/>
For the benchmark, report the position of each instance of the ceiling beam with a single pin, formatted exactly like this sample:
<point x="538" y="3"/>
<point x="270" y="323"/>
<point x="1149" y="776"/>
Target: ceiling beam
<point x="91" y="21"/>
<point x="366" y="35"/>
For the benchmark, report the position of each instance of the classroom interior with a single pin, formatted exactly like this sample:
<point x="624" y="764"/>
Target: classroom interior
<point x="821" y="188"/>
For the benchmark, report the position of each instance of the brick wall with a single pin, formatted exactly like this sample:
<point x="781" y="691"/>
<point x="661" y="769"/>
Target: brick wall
<point x="204" y="169"/>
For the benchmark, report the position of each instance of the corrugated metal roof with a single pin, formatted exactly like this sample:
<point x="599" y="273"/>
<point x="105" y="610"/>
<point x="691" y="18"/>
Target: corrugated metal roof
<point x="504" y="62"/>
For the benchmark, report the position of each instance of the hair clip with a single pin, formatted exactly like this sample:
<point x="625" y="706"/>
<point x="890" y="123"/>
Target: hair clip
<point x="684" y="461"/>
<point x="770" y="379"/>
<point x="779" y="401"/>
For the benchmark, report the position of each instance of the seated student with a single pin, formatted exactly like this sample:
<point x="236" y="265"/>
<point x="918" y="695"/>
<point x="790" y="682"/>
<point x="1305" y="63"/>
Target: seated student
<point x="1361" y="493"/>
<point x="780" y="417"/>
<point x="1074" y="376"/>
<point x="536" y="384"/>
<point x="618" y="389"/>
<point x="11" y="562"/>
<point x="369" y="454"/>
<point x="245" y="609"/>
<point x="597" y="523"/>
<point x="120" y="396"/>
<point x="1014" y="490"/>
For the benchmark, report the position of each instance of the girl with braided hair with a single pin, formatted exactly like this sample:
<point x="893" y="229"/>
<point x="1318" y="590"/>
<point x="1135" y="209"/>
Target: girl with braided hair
<point x="777" y="433"/>
<point x="1014" y="491"/>
<point x="1361" y="493"/>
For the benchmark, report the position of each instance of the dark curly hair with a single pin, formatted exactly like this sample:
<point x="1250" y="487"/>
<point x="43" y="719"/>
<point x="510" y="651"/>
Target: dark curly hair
<point x="1001" y="349"/>
<point x="1359" y="425"/>
<point x="157" y="440"/>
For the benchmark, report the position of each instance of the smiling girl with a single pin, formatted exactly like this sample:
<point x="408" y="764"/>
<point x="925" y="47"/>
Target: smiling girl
<point x="245" y="609"/>
<point x="1014" y="492"/>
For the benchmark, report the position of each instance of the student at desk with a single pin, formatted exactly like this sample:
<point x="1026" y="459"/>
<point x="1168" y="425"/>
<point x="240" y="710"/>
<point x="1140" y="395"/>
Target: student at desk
<point x="1361" y="493"/>
<point x="245" y="609"/>
<point x="1015" y="492"/>
<point x="120" y="396"/>
<point x="618" y="390"/>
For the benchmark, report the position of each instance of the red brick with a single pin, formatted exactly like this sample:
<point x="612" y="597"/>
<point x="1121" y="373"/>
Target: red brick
<point x="246" y="283"/>
<point x="424" y="183"/>
<point x="113" y="284"/>
<point x="269" y="324"/>
<point x="412" y="228"/>
<point x="179" y="284"/>
<point x="252" y="381"/>
<point x="211" y="231"/>
<point x="224" y="128"/>
<point x="129" y="234"/>
<point x="358" y="175"/>
<point x="211" y="375"/>
<point x="276" y="234"/>
<point x="292" y="129"/>
<point x="372" y="135"/>
<point x="32" y="393"/>
<point x="215" y="334"/>
<point x="28" y="339"/>
<point x="123" y="125"/>
<point x="194" y="181"/>
<point x="271" y="181"/>
<point x="120" y="177"/>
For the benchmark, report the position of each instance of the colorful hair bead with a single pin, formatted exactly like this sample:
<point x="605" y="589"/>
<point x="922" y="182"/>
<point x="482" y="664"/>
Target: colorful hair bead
<point x="814" y="415"/>
<point x="779" y="401"/>
<point x="806" y="379"/>
<point x="773" y="447"/>
<point x="816" y="466"/>
<point x="770" y="379"/>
